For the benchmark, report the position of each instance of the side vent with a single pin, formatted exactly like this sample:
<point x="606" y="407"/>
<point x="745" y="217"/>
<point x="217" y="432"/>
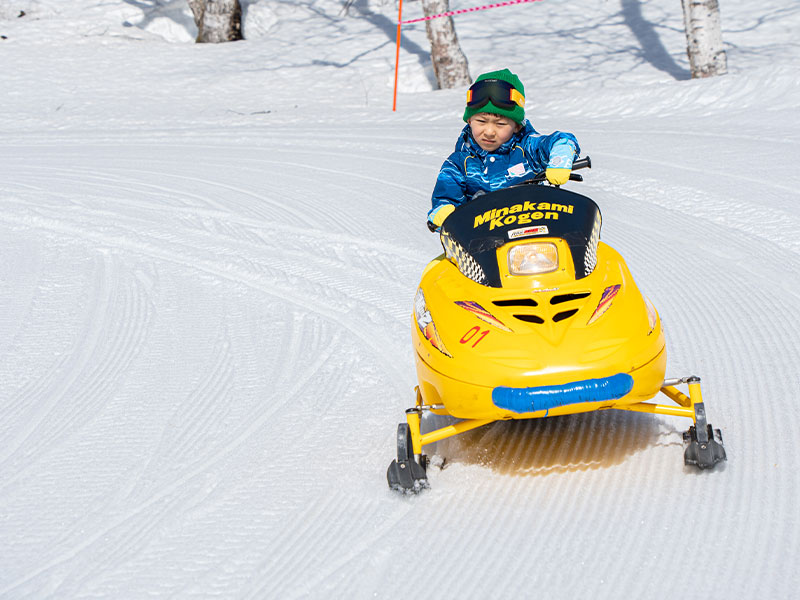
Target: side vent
<point x="554" y="300"/>
<point x="516" y="302"/>
<point x="564" y="315"/>
<point x="530" y="319"/>
<point x="568" y="297"/>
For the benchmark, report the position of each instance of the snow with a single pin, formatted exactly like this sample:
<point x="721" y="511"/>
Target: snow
<point x="208" y="258"/>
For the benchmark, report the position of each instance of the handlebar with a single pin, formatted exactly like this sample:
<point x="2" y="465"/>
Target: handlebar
<point x="580" y="163"/>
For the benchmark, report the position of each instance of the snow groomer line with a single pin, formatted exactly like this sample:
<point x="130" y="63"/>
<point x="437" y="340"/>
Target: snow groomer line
<point x="536" y="321"/>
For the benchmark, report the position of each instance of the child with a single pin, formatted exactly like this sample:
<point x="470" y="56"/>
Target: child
<point x="498" y="147"/>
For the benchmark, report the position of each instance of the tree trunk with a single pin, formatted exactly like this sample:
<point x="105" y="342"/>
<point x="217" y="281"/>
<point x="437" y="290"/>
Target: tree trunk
<point x="449" y="63"/>
<point x="217" y="20"/>
<point x="704" y="38"/>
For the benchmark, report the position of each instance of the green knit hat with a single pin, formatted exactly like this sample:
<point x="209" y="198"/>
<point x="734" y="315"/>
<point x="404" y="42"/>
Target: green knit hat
<point x="517" y="114"/>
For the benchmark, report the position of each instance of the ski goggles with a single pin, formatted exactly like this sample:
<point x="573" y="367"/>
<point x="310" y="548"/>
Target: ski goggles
<point x="500" y="93"/>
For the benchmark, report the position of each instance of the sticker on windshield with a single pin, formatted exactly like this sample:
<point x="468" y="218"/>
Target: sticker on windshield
<point x="527" y="231"/>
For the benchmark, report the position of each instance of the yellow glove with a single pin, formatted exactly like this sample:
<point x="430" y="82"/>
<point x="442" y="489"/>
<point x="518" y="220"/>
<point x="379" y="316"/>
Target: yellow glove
<point x="441" y="214"/>
<point x="557" y="176"/>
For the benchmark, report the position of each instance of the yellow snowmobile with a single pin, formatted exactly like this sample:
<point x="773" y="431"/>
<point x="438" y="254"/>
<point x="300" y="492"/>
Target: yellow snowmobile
<point x="527" y="315"/>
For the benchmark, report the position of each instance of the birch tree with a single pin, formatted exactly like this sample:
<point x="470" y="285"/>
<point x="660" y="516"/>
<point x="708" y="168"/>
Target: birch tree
<point x="217" y="20"/>
<point x="704" y="38"/>
<point x="449" y="63"/>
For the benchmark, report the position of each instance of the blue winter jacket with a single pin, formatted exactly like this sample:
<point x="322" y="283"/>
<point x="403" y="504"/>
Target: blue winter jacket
<point x="471" y="168"/>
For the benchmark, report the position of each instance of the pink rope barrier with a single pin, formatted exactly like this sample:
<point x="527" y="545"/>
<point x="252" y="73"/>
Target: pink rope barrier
<point x="468" y="10"/>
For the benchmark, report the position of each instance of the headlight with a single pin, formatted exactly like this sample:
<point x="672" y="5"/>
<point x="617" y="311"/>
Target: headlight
<point x="652" y="315"/>
<point x="533" y="259"/>
<point x="421" y="311"/>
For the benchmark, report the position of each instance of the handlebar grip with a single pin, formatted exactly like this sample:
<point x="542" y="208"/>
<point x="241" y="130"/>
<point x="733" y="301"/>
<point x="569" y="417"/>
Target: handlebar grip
<point x="582" y="163"/>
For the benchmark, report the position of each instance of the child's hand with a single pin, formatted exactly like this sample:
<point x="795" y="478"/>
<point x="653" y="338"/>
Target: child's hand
<point x="557" y="176"/>
<point x="441" y="213"/>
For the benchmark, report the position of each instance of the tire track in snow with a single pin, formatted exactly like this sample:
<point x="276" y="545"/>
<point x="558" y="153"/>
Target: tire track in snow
<point x="162" y="496"/>
<point x="758" y="218"/>
<point x="257" y="235"/>
<point x="292" y="358"/>
<point x="321" y="526"/>
<point x="286" y="378"/>
<point x="80" y="184"/>
<point x="530" y="463"/>
<point x="116" y="323"/>
<point x="750" y="407"/>
<point x="740" y="395"/>
<point x="325" y="522"/>
<point x="183" y="442"/>
<point x="282" y="271"/>
<point x="243" y="199"/>
<point x="138" y="182"/>
<point x="527" y="463"/>
<point x="54" y="387"/>
<point x="221" y="228"/>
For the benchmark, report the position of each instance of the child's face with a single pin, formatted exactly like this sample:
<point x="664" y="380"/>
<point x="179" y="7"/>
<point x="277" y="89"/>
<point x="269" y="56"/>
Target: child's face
<point x="492" y="131"/>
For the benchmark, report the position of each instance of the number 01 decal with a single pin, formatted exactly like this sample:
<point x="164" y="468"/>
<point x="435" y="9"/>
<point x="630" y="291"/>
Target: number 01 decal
<point x="475" y="332"/>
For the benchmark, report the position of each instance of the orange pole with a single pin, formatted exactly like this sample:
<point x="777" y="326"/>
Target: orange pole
<point x="397" y="54"/>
